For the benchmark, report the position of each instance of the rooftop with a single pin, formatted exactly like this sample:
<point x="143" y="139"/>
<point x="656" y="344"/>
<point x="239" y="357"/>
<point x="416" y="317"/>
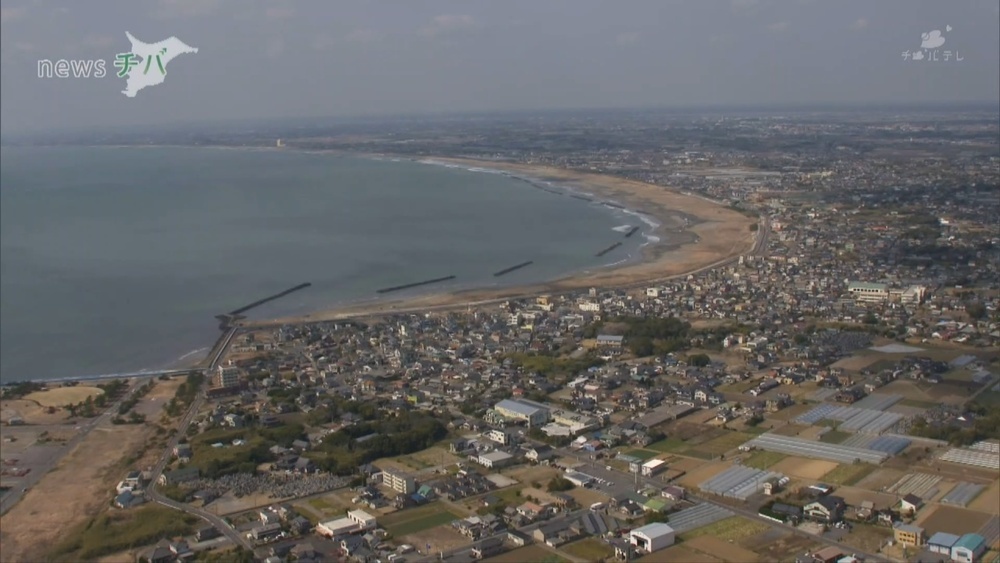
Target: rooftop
<point x="653" y="530"/>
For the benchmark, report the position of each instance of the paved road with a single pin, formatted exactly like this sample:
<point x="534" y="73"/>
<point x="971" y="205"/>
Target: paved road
<point x="192" y="411"/>
<point x="35" y="475"/>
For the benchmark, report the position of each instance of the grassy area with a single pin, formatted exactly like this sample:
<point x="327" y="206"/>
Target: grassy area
<point x="834" y="437"/>
<point x="828" y="422"/>
<point x="701" y="454"/>
<point x="734" y="529"/>
<point x="532" y="553"/>
<point x="590" y="549"/>
<point x="417" y="520"/>
<point x="989" y="399"/>
<point x="117" y="531"/>
<point x="761" y="459"/>
<point x="669" y="445"/>
<point x="641" y="454"/>
<point x="919" y="404"/>
<point x="848" y="474"/>
<point x="722" y="444"/>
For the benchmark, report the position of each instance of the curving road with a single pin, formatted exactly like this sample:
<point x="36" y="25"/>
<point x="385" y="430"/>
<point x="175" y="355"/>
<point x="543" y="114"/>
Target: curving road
<point x="192" y="411"/>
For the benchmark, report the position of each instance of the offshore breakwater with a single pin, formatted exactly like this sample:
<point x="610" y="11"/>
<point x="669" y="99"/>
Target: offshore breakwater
<point x="226" y="320"/>
<point x="513" y="268"/>
<point x="414" y="284"/>
<point x="608" y="249"/>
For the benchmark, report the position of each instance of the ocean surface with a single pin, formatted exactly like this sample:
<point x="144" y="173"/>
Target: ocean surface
<point x="116" y="260"/>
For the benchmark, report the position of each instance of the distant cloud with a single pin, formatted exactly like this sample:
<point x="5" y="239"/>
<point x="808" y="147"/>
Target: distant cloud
<point x="363" y="36"/>
<point x="167" y="9"/>
<point x="717" y="40"/>
<point x="12" y="14"/>
<point x="98" y="42"/>
<point x="447" y="23"/>
<point x="778" y="26"/>
<point x="279" y="12"/>
<point x="860" y="24"/>
<point x="275" y="47"/>
<point x="628" y="38"/>
<point x="323" y="42"/>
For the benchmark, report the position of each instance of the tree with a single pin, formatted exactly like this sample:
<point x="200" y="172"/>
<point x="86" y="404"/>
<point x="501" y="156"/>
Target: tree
<point x="699" y="360"/>
<point x="975" y="310"/>
<point x="560" y="484"/>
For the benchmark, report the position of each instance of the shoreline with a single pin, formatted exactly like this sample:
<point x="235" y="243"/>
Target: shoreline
<point x="685" y="234"/>
<point x="704" y="234"/>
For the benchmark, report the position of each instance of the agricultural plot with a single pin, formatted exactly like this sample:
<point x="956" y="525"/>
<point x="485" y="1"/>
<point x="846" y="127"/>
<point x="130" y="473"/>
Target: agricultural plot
<point x="719" y="548"/>
<point x="642" y="455"/>
<point x="761" y="459"/>
<point x="975" y="458"/>
<point x="698" y="516"/>
<point x="731" y="529"/>
<point x="920" y="484"/>
<point x="848" y="474"/>
<point x="416" y="520"/>
<point x="738" y="482"/>
<point x="892" y="445"/>
<point x="804" y="468"/>
<point x="991" y="532"/>
<point x="720" y="445"/>
<point x="807" y="448"/>
<point x="590" y="549"/>
<point x="953" y="520"/>
<point x="669" y="445"/>
<point x="834" y="437"/>
<point x="962" y="494"/>
<point x="678" y="552"/>
<point x="530" y="553"/>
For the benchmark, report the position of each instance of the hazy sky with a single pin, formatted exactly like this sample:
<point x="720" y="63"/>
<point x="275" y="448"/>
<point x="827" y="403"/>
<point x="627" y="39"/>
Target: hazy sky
<point x="353" y="57"/>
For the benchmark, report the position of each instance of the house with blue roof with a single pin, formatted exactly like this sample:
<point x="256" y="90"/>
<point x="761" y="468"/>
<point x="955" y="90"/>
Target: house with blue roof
<point x="968" y="549"/>
<point x="942" y="542"/>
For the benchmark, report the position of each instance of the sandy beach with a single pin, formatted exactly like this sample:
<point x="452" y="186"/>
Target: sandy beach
<point x="695" y="233"/>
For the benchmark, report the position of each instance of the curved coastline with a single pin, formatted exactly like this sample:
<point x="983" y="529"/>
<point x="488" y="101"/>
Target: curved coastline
<point x="699" y="234"/>
<point x="703" y="234"/>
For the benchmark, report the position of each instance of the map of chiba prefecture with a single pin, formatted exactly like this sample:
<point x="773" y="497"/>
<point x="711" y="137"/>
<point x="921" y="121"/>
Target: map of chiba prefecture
<point x="146" y="64"/>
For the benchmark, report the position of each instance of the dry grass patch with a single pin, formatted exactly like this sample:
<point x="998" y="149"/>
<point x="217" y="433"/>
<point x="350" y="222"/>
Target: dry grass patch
<point x="734" y="529"/>
<point x="60" y="396"/>
<point x="803" y="467"/>
<point x="719" y="548"/>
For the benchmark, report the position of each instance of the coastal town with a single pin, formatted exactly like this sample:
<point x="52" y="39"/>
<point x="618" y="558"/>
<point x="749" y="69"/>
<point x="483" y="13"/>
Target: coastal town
<point x="827" y="391"/>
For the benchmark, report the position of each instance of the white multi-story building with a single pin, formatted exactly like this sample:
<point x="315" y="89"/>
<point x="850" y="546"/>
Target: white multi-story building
<point x="868" y="292"/>
<point x="399" y="481"/>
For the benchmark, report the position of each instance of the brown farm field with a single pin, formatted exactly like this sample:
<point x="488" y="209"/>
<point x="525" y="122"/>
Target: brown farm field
<point x="734" y="528"/>
<point x="720" y="548"/>
<point x="988" y="500"/>
<point x="533" y="553"/>
<point x="441" y="538"/>
<point x="805" y="468"/>
<point x="848" y="473"/>
<point x="697" y="476"/>
<point x="678" y="552"/>
<point x="951" y="519"/>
